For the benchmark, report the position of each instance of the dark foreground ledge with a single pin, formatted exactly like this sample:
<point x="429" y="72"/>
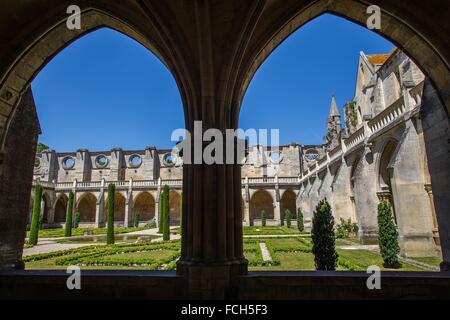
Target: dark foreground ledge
<point x="285" y="285"/>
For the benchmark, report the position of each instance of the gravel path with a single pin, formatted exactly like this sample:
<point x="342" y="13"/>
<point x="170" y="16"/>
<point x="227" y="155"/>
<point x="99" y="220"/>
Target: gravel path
<point x="265" y="252"/>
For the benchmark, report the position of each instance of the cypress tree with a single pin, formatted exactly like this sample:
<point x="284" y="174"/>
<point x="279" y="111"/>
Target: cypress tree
<point x="76" y="220"/>
<point x="300" y="224"/>
<point x="34" y="230"/>
<point x="68" y="226"/>
<point x="263" y="218"/>
<point x="110" y="230"/>
<point x="181" y="209"/>
<point x="288" y="217"/>
<point x="388" y="236"/>
<point x="166" y="217"/>
<point x="160" y="213"/>
<point x="323" y="237"/>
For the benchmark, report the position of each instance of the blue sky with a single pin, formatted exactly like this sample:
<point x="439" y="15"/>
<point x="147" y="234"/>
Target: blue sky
<point x="106" y="90"/>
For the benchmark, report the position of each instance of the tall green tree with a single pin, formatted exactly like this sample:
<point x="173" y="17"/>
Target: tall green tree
<point x="69" y="210"/>
<point x="323" y="237"/>
<point x="300" y="224"/>
<point x="388" y="236"/>
<point x="110" y="227"/>
<point x="263" y="218"/>
<point x="288" y="217"/>
<point x="160" y="213"/>
<point x="166" y="217"/>
<point x="36" y="216"/>
<point x="181" y="212"/>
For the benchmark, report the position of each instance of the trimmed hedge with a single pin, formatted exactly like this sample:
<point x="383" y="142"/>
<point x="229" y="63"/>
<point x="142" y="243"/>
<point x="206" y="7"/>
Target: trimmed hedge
<point x="300" y="223"/>
<point x="388" y="236"/>
<point x="110" y="228"/>
<point x="323" y="237"/>
<point x="165" y="214"/>
<point x="34" y="231"/>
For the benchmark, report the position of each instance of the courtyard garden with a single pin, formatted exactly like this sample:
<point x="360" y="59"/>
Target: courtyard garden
<point x="277" y="248"/>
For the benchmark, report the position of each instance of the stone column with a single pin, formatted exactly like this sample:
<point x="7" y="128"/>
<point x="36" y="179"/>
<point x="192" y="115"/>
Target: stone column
<point x="436" y="131"/>
<point x="129" y="206"/>
<point x="99" y="206"/>
<point x="410" y="200"/>
<point x="277" y="208"/>
<point x="16" y="176"/>
<point x="365" y="195"/>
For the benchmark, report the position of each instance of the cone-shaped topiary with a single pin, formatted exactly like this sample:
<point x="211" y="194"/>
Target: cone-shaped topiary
<point x="34" y="230"/>
<point x="181" y="212"/>
<point x="300" y="224"/>
<point x="288" y="218"/>
<point x="136" y="218"/>
<point x="110" y="227"/>
<point x="76" y="220"/>
<point x="69" y="210"/>
<point x="166" y="217"/>
<point x="388" y="236"/>
<point x="263" y="218"/>
<point x="323" y="237"/>
<point x="160" y="213"/>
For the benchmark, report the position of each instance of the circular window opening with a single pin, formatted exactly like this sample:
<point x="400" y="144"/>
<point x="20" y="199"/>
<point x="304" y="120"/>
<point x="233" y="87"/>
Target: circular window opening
<point x="101" y="161"/>
<point x="68" y="163"/>
<point x="275" y="157"/>
<point x="169" y="160"/>
<point x="37" y="163"/>
<point x="135" y="161"/>
<point x="311" y="155"/>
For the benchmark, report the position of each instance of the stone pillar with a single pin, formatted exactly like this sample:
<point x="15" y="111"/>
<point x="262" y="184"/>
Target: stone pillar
<point x="365" y="195"/>
<point x="429" y="190"/>
<point x="116" y="165"/>
<point x="277" y="208"/>
<point x="157" y="202"/>
<point x="436" y="131"/>
<point x="129" y="206"/>
<point x="100" y="206"/>
<point x="83" y="165"/>
<point x="410" y="200"/>
<point x="340" y="190"/>
<point x="16" y="175"/>
<point x="212" y="241"/>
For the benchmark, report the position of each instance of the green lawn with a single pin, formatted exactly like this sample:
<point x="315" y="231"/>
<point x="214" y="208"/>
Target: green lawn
<point x="434" y="261"/>
<point x="58" y="233"/>
<point x="268" y="230"/>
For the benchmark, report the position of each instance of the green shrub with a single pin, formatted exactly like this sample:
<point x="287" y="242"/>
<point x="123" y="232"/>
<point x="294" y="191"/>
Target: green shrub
<point x="160" y="213"/>
<point x="166" y="217"/>
<point x="300" y="224"/>
<point x="110" y="231"/>
<point x="288" y="217"/>
<point x="76" y="220"/>
<point x="263" y="218"/>
<point x="151" y="224"/>
<point x="136" y="218"/>
<point x="41" y="220"/>
<point x="323" y="237"/>
<point x="34" y="231"/>
<point x="68" y="226"/>
<point x="388" y="236"/>
<point x="346" y="229"/>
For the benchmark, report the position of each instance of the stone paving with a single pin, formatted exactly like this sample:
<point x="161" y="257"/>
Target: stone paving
<point x="265" y="252"/>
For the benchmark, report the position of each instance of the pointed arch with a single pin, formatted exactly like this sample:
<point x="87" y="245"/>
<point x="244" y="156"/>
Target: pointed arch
<point x="288" y="202"/>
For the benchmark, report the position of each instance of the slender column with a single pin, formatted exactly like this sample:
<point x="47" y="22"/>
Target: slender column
<point x="128" y="205"/>
<point x="99" y="206"/>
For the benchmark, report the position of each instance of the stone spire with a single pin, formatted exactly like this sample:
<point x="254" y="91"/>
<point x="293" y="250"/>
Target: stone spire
<point x="334" y="111"/>
<point x="332" y="136"/>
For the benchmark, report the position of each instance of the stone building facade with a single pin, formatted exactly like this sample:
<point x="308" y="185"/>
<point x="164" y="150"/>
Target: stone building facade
<point x="379" y="154"/>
